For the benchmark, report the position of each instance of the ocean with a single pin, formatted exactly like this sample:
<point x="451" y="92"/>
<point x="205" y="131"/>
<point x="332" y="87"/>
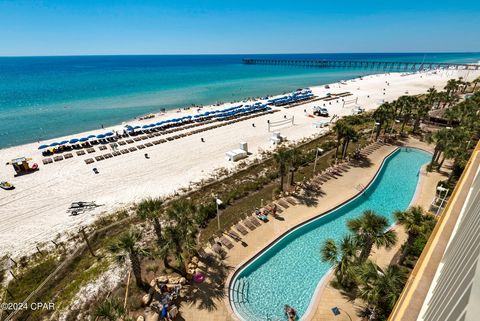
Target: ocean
<point x="48" y="97"/>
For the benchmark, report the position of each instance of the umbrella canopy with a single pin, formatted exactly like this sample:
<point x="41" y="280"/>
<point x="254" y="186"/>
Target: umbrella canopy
<point x="73" y="140"/>
<point x="108" y="134"/>
<point x="136" y="127"/>
<point x="42" y="146"/>
<point x="53" y="144"/>
<point x="83" y="139"/>
<point x="63" y="142"/>
<point x="91" y="136"/>
<point x="100" y="136"/>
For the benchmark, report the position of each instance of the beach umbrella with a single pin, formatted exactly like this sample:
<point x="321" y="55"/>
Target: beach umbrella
<point x="136" y="127"/>
<point x="73" y="140"/>
<point x="91" y="136"/>
<point x="100" y="136"/>
<point x="145" y="126"/>
<point x="63" y="142"/>
<point x="108" y="134"/>
<point x="83" y="139"/>
<point x="53" y="144"/>
<point x="42" y="146"/>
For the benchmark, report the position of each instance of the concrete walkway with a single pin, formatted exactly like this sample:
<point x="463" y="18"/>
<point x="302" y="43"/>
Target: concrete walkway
<point x="335" y="191"/>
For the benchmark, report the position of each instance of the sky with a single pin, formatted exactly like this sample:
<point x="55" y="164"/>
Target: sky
<point x="80" y="27"/>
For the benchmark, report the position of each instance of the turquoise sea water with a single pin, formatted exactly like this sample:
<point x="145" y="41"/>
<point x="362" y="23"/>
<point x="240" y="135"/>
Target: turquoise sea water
<point x="290" y="270"/>
<point x="47" y="97"/>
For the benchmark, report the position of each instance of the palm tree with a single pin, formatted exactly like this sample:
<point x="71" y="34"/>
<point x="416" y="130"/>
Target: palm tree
<point x="281" y="157"/>
<point x="127" y="246"/>
<point x="339" y="129"/>
<point x="296" y="158"/>
<point x="350" y="134"/>
<point x="179" y="234"/>
<point x="475" y="82"/>
<point x="382" y="114"/>
<point x="440" y="138"/>
<point x="380" y="288"/>
<point x="111" y="310"/>
<point x="343" y="257"/>
<point x="407" y="105"/>
<point x="371" y="229"/>
<point x="415" y="221"/>
<point x="150" y="210"/>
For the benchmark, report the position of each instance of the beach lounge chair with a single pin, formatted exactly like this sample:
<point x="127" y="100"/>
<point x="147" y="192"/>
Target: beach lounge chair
<point x="107" y="155"/>
<point x="156" y="142"/>
<point x="137" y="139"/>
<point x="241" y="229"/>
<point x="148" y="144"/>
<point x="58" y="158"/>
<point x="46" y="161"/>
<point x="140" y="146"/>
<point x="89" y="161"/>
<point x="68" y="155"/>
<point x="102" y="147"/>
<point x="80" y="153"/>
<point x="132" y="149"/>
<point x="99" y="158"/>
<point x="90" y="150"/>
<point x="124" y="151"/>
<point x="116" y="153"/>
<point x="130" y="141"/>
<point x="122" y="143"/>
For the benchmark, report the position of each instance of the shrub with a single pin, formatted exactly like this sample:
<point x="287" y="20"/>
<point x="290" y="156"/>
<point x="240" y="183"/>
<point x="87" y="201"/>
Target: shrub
<point x="418" y="246"/>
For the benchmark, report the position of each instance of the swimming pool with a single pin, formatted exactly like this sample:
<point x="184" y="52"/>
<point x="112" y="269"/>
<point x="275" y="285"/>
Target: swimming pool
<point x="290" y="270"/>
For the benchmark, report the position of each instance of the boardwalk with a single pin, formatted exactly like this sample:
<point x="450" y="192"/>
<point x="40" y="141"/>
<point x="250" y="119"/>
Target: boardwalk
<point x="363" y="64"/>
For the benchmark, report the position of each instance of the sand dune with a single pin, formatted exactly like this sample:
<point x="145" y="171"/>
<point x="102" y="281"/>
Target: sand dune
<point x="36" y="210"/>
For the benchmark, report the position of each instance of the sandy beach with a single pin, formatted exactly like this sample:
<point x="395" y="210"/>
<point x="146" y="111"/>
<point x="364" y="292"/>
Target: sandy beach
<point x="35" y="211"/>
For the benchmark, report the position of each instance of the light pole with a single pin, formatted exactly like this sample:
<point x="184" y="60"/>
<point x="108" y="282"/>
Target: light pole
<point x="218" y="202"/>
<point x="319" y="150"/>
<point x="373" y="129"/>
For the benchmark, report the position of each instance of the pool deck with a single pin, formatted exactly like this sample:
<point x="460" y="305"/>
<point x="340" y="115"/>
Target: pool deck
<point x="336" y="191"/>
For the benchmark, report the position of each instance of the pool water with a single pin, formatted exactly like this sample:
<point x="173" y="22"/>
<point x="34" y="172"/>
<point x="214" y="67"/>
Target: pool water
<point x="290" y="270"/>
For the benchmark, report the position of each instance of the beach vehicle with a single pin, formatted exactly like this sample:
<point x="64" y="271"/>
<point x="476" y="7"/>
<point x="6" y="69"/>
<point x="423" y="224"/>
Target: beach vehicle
<point x="320" y="111"/>
<point x="21" y="166"/>
<point x="358" y="110"/>
<point x="6" y="186"/>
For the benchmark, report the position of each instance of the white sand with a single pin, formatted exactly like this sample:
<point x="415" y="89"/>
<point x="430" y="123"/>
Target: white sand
<point x="36" y="210"/>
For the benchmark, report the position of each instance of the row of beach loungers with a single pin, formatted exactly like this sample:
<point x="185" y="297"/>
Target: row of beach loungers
<point x="148" y="144"/>
<point x="336" y="96"/>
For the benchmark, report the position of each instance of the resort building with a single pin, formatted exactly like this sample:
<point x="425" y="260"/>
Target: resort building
<point x="445" y="283"/>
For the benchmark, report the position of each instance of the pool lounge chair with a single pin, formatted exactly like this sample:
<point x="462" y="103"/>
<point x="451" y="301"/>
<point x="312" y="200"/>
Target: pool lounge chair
<point x="291" y="200"/>
<point x="283" y="203"/>
<point x="255" y="221"/>
<point x="241" y="229"/>
<point x="226" y="242"/>
<point x="234" y="236"/>
<point x="248" y="224"/>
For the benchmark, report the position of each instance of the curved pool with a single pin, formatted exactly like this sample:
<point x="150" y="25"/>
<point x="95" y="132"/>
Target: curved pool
<point x="290" y="270"/>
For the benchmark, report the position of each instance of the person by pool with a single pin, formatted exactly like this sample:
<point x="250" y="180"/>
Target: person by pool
<point x="260" y="215"/>
<point x="290" y="312"/>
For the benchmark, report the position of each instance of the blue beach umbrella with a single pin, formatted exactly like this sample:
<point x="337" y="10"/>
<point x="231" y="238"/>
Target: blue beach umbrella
<point x="91" y="136"/>
<point x="42" y="146"/>
<point x="108" y="134"/>
<point x="100" y="136"/>
<point x="136" y="127"/>
<point x="53" y="144"/>
<point x="73" y="140"/>
<point x="63" y="142"/>
<point x="145" y="126"/>
<point x="83" y="139"/>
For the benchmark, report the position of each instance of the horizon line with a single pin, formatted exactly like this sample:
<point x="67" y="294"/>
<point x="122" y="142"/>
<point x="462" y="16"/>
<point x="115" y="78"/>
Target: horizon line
<point x="238" y="54"/>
